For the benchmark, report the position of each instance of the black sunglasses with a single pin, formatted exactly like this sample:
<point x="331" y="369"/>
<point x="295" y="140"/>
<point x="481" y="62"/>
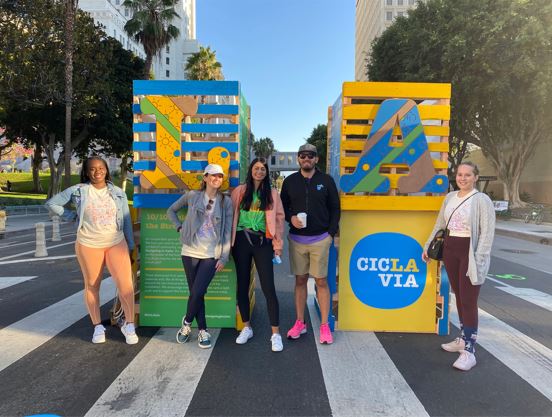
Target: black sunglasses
<point x="307" y="155"/>
<point x="210" y="205"/>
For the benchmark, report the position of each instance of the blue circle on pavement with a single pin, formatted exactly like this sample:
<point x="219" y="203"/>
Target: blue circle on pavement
<point x="386" y="270"/>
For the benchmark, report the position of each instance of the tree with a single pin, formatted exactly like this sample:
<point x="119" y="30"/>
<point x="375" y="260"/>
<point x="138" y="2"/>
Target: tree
<point x="263" y="148"/>
<point x="32" y="77"/>
<point x="319" y="138"/>
<point x="151" y="26"/>
<point x="498" y="56"/>
<point x="203" y="65"/>
<point x="70" y="10"/>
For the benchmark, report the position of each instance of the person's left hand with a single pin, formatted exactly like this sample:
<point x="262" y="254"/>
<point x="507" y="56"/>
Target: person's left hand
<point x="219" y="266"/>
<point x="278" y="252"/>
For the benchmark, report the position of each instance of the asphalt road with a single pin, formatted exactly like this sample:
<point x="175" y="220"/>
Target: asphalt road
<point x="48" y="365"/>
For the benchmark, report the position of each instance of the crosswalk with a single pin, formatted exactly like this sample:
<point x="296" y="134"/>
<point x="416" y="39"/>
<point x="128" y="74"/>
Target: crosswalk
<point x="361" y="374"/>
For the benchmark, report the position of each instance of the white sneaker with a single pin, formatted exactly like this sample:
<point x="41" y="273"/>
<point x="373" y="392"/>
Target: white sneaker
<point x="276" y="341"/>
<point x="99" y="334"/>
<point x="465" y="361"/>
<point x="457" y="345"/>
<point x="130" y="333"/>
<point x="244" y="336"/>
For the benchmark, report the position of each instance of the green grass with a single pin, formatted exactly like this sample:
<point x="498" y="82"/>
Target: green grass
<point x="22" y="186"/>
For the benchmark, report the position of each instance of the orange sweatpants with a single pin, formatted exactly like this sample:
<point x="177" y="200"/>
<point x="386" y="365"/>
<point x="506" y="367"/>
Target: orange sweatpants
<point x="117" y="260"/>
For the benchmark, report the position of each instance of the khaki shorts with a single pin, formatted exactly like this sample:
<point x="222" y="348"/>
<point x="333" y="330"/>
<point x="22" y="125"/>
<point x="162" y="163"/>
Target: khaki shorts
<point x="310" y="259"/>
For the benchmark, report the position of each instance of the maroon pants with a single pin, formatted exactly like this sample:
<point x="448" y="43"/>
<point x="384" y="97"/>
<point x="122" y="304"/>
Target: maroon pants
<point x="455" y="257"/>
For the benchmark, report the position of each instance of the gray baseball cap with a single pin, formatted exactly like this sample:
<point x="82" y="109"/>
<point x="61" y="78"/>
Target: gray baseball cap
<point x="307" y="147"/>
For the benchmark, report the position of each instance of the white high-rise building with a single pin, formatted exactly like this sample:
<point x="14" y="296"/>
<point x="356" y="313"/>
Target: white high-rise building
<point x="372" y="17"/>
<point x="169" y="65"/>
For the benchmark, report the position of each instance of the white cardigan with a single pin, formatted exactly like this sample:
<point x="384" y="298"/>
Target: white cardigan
<point x="482" y="234"/>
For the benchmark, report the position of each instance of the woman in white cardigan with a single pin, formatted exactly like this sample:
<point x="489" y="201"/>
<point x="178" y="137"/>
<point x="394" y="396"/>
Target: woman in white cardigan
<point x="466" y="255"/>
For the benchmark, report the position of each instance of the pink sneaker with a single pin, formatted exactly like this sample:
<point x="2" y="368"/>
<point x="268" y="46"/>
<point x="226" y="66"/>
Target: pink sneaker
<point x="326" y="334"/>
<point x="297" y="330"/>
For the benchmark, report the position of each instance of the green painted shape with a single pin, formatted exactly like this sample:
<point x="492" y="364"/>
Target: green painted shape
<point x="243" y="137"/>
<point x="371" y="181"/>
<point x="510" y="276"/>
<point x="147" y="107"/>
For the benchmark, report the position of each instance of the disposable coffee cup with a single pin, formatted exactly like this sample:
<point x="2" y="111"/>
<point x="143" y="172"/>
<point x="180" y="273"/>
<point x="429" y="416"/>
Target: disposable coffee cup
<point x="303" y="218"/>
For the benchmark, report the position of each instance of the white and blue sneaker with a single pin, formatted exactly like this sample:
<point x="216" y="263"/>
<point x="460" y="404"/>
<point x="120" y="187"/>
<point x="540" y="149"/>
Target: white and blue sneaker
<point x="204" y="339"/>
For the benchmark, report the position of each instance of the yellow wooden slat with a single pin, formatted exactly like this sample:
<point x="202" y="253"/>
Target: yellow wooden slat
<point x="396" y="203"/>
<point x="358" y="145"/>
<point x="352" y="162"/>
<point x="365" y="130"/>
<point x="397" y="90"/>
<point x="369" y="111"/>
<point x="438" y="146"/>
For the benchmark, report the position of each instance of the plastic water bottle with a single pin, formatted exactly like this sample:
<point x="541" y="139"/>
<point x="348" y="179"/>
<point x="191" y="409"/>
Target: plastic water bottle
<point x="276" y="260"/>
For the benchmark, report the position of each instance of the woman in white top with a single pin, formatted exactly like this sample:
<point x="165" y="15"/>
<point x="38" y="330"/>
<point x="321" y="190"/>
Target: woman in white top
<point x="205" y="235"/>
<point x="466" y="255"/>
<point x="104" y="237"/>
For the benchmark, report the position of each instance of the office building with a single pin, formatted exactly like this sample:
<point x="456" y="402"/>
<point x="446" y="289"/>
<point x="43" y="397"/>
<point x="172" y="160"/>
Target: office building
<point x="169" y="65"/>
<point x="372" y="17"/>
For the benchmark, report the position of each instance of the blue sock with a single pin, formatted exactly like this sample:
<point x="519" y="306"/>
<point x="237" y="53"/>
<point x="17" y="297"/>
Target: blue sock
<point x="470" y="334"/>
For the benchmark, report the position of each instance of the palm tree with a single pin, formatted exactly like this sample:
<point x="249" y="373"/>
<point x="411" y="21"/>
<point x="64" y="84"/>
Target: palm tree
<point x="151" y="26"/>
<point x="203" y="65"/>
<point x="264" y="147"/>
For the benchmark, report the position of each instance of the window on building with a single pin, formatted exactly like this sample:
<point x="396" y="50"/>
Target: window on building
<point x="126" y="12"/>
<point x="167" y="60"/>
<point x="167" y="49"/>
<point x="400" y="2"/>
<point x="167" y="73"/>
<point x="390" y="2"/>
<point x="388" y="15"/>
<point x="117" y="2"/>
<point x="400" y="13"/>
<point x="411" y="2"/>
<point x="272" y="160"/>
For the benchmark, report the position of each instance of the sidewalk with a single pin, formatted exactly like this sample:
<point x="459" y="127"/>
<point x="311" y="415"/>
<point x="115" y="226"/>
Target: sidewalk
<point x="541" y="233"/>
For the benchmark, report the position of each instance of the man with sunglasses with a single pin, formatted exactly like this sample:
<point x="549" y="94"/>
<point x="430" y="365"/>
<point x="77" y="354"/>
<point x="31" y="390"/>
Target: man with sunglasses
<point x="312" y="192"/>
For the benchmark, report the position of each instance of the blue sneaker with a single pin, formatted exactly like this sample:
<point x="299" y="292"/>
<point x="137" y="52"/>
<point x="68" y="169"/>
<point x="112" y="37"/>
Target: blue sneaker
<point x="183" y="335"/>
<point x="204" y="339"/>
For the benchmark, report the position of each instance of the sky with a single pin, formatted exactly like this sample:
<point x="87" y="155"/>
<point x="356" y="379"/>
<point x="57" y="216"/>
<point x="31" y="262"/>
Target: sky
<point x="290" y="57"/>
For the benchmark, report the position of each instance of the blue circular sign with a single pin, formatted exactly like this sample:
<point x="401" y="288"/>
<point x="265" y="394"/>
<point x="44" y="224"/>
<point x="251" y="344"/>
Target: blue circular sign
<point x="386" y="270"/>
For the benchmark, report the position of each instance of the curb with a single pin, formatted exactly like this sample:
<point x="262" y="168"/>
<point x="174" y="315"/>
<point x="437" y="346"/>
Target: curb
<point x="12" y="233"/>
<point x="525" y="236"/>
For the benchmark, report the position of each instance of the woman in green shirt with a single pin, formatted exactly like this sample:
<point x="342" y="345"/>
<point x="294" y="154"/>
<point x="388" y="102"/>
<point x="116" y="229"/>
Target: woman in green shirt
<point x="257" y="235"/>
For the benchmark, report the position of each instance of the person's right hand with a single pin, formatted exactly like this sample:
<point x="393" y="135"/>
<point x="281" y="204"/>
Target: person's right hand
<point x="425" y="258"/>
<point x="298" y="224"/>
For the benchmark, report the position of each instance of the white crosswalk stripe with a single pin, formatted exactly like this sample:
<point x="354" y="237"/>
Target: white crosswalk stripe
<point x="376" y="384"/>
<point x="6" y="282"/>
<point x="24" y="336"/>
<point x="170" y="378"/>
<point x="524" y="355"/>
